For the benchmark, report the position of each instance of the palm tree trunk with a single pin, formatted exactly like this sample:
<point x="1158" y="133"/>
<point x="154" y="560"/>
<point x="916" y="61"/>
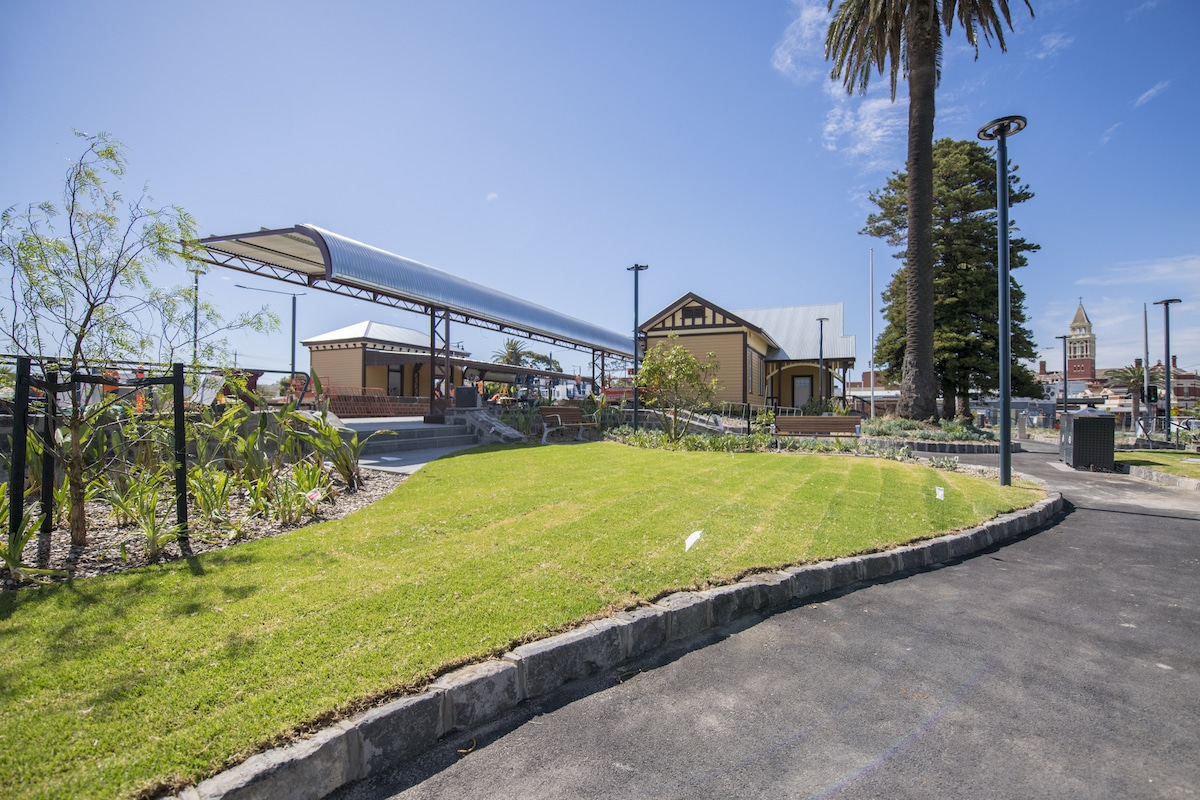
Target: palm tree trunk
<point x="918" y="386"/>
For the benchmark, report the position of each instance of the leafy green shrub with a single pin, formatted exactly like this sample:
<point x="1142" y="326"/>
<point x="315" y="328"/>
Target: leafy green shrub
<point x="948" y="430"/>
<point x="13" y="543"/>
<point x="312" y="483"/>
<point x="947" y="463"/>
<point x="210" y="491"/>
<point x="139" y="506"/>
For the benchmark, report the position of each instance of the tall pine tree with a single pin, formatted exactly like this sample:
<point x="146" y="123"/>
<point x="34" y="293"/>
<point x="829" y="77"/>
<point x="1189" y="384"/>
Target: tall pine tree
<point x="966" y="305"/>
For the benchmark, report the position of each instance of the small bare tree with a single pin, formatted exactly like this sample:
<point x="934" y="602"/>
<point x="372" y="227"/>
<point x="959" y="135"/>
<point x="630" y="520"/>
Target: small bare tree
<point x="82" y="286"/>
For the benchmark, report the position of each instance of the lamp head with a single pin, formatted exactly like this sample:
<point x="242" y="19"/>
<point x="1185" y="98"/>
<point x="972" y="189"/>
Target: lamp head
<point x="1002" y="128"/>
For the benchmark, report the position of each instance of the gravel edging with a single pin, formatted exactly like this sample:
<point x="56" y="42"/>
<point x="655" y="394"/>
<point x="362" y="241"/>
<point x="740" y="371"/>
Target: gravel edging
<point x="382" y="737"/>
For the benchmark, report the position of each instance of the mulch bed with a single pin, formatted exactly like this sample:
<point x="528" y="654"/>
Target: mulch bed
<point x="112" y="549"/>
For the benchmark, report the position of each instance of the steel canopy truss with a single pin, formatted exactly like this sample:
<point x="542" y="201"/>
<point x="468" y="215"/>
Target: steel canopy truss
<point x="305" y="256"/>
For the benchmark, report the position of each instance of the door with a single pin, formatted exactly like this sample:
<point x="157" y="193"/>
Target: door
<point x="801" y="389"/>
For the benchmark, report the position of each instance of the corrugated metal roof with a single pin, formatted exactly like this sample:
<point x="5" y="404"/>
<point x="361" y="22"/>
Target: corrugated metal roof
<point x="314" y="253"/>
<point x="797" y="332"/>
<point x="378" y="333"/>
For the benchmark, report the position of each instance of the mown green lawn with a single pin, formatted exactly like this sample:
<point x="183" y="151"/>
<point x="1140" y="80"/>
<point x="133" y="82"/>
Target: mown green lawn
<point x="170" y="673"/>
<point x="1170" y="461"/>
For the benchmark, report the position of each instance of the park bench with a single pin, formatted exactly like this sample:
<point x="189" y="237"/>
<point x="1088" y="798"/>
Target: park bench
<point x="561" y="417"/>
<point x="818" y="426"/>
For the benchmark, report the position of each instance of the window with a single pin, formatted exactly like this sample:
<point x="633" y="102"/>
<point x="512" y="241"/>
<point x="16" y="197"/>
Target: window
<point x="693" y="313"/>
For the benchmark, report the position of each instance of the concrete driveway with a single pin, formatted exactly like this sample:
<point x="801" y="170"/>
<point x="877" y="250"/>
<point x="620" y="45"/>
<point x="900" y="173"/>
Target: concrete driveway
<point x="1065" y="664"/>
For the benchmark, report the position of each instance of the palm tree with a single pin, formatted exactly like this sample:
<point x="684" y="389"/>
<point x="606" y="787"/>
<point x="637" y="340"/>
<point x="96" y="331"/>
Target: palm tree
<point x="1132" y="378"/>
<point x="514" y="353"/>
<point x="906" y="35"/>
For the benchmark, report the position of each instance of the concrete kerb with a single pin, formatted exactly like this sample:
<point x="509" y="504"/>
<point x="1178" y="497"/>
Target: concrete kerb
<point x="382" y="737"/>
<point x="1164" y="478"/>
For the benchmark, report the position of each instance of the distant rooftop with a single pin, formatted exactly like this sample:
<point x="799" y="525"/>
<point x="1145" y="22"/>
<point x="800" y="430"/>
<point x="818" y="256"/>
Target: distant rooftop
<point x="796" y="332"/>
<point x="378" y="334"/>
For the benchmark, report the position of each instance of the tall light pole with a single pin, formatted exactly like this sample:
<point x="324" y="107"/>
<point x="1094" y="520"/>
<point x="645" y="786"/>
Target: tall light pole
<point x="195" y="317"/>
<point x="637" y="337"/>
<point x="821" y="360"/>
<point x="1064" y="411"/>
<point x="999" y="130"/>
<point x="1166" y="304"/>
<point x="1146" y="416"/>
<point x="293" y="295"/>
<point x="872" y="359"/>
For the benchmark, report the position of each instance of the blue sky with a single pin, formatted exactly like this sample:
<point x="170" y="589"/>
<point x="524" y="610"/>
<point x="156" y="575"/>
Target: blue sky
<point x="541" y="147"/>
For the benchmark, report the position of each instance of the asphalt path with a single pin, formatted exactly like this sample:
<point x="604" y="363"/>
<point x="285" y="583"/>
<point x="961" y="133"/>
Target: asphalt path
<point x="1064" y="664"/>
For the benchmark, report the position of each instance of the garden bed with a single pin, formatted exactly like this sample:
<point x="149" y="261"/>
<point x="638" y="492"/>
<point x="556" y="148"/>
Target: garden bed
<point x="113" y="548"/>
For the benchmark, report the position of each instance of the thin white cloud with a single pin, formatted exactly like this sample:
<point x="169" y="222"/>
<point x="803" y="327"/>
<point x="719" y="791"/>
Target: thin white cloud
<point x="492" y="197"/>
<point x="1179" y="271"/>
<point x="1154" y="92"/>
<point x="1053" y="44"/>
<point x="1147" y="5"/>
<point x="869" y="130"/>
<point x="872" y="130"/>
<point x="1107" y="136"/>
<point x="800" y="53"/>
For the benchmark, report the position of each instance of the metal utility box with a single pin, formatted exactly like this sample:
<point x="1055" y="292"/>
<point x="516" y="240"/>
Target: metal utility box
<point x="1086" y="439"/>
<point x="465" y="397"/>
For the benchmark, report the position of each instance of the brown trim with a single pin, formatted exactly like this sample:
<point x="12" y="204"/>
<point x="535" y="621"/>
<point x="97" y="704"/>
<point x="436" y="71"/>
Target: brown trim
<point x="745" y="348"/>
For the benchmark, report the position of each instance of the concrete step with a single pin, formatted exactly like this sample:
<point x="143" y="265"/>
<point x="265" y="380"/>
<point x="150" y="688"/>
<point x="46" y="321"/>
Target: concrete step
<point x="421" y="444"/>
<point x="433" y="436"/>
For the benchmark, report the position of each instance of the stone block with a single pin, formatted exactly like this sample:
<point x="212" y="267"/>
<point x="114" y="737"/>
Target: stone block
<point x="843" y="572"/>
<point x="687" y="614"/>
<point x="305" y="770"/>
<point x="399" y="730"/>
<point x="940" y="549"/>
<point x="877" y="565"/>
<point x="547" y="664"/>
<point x="477" y="693"/>
<point x="809" y="580"/>
<point x="774" y="588"/>
<point x="733" y="601"/>
<point x="641" y="630"/>
<point x="913" y="557"/>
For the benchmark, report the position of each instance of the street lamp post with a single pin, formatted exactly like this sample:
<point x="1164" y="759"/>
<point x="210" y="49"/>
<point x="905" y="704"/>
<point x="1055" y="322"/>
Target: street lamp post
<point x="999" y="130"/>
<point x="293" y="295"/>
<point x="195" y="317"/>
<point x="637" y="337"/>
<point x="1147" y="418"/>
<point x="1166" y="304"/>
<point x="872" y="333"/>
<point x="821" y="361"/>
<point x="1064" y="411"/>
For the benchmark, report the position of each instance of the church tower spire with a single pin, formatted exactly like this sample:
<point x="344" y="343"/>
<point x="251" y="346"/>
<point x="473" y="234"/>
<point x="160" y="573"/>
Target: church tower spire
<point x="1081" y="347"/>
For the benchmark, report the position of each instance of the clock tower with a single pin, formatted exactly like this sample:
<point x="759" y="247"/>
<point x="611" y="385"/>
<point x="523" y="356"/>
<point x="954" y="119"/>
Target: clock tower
<point x="1081" y="348"/>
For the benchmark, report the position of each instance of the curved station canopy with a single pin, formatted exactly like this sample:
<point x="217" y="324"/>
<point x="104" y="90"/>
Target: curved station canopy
<point x="308" y="255"/>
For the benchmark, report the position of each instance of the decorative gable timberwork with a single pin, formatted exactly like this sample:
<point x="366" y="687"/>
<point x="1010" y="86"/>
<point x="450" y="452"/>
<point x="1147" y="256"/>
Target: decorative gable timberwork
<point x="692" y="312"/>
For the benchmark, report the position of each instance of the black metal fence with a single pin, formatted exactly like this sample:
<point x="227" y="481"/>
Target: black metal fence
<point x="50" y="386"/>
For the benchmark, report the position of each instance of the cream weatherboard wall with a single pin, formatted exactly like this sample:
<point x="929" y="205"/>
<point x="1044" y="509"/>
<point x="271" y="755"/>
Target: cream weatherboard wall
<point x="340" y="367"/>
<point x="735" y="375"/>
